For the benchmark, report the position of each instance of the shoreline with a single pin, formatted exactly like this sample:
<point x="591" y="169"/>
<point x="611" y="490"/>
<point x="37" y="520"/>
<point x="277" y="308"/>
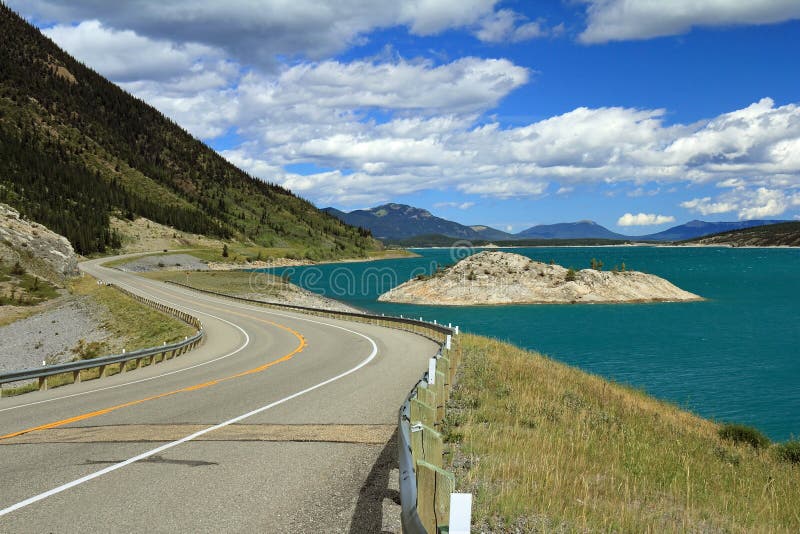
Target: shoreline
<point x="637" y="245"/>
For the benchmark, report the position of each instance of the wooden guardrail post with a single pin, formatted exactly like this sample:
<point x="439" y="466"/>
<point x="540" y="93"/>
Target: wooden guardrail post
<point x="426" y="395"/>
<point x="426" y="445"/>
<point x="422" y="413"/>
<point x="441" y="397"/>
<point x="434" y="486"/>
<point x="443" y="366"/>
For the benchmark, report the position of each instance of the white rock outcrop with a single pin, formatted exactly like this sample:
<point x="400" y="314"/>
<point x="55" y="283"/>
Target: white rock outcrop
<point x="39" y="250"/>
<point x="492" y="277"/>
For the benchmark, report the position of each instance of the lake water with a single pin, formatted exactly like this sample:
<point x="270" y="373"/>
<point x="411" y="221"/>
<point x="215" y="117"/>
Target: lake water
<point x="734" y="357"/>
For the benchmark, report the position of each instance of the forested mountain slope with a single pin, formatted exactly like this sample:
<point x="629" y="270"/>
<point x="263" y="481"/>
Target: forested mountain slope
<point x="786" y="234"/>
<point x="75" y="148"/>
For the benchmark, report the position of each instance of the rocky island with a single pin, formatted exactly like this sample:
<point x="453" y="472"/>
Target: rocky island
<point x="493" y="277"/>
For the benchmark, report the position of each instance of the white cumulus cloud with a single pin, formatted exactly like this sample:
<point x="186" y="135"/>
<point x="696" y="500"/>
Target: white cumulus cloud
<point x="389" y="125"/>
<point x="619" y="20"/>
<point x="748" y="202"/>
<point x="459" y="205"/>
<point x="260" y="32"/>
<point x="506" y="25"/>
<point x="705" y="206"/>
<point x="644" y="219"/>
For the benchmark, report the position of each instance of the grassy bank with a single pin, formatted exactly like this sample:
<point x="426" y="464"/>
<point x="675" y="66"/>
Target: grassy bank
<point x="228" y="282"/>
<point x="546" y="447"/>
<point x="132" y="325"/>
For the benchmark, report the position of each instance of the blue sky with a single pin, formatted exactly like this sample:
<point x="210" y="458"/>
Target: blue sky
<point x="639" y="115"/>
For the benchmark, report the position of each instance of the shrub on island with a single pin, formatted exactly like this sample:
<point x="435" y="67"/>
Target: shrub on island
<point x="743" y="434"/>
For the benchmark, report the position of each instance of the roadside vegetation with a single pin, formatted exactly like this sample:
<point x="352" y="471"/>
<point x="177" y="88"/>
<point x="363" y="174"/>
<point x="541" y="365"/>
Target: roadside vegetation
<point x="136" y="326"/>
<point x="21" y="293"/>
<point x="546" y="447"/>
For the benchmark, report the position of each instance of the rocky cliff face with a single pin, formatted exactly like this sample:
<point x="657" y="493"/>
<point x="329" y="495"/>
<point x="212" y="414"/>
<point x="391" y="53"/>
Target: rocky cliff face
<point x="36" y="248"/>
<point x="503" y="278"/>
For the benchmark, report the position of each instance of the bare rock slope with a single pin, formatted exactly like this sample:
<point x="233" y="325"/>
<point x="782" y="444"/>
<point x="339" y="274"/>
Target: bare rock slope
<point x="492" y="277"/>
<point x="45" y="253"/>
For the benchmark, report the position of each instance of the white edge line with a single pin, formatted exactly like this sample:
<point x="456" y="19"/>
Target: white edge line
<point x="142" y="456"/>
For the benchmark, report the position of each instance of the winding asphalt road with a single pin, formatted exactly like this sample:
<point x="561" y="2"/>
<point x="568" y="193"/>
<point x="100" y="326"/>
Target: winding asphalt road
<point x="278" y="422"/>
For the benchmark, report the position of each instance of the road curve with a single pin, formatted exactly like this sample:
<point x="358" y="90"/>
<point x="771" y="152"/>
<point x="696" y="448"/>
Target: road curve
<point x="278" y="422"/>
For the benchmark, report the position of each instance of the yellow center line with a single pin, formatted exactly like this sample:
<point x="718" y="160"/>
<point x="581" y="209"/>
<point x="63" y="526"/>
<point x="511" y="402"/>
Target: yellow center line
<point x="299" y="348"/>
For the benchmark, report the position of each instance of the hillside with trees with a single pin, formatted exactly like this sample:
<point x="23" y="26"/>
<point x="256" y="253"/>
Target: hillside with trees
<point x="75" y="149"/>
<point x="774" y="235"/>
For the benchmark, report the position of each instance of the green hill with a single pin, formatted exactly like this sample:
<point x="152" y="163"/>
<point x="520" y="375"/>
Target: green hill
<point x="785" y="234"/>
<point x="76" y="149"/>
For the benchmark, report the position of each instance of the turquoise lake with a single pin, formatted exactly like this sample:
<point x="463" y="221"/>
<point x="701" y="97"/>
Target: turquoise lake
<point x="734" y="357"/>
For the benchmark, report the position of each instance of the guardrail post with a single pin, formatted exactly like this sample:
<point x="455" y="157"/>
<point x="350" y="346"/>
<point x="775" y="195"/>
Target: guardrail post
<point x="434" y="486"/>
<point x="76" y="377"/>
<point x="422" y="413"/>
<point x="42" y="383"/>
<point x="103" y="371"/>
<point x="426" y="395"/>
<point x="441" y="397"/>
<point x="426" y="444"/>
<point x="443" y="366"/>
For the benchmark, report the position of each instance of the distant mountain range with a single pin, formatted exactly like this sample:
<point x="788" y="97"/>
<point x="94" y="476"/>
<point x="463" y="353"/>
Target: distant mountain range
<point x="575" y="230"/>
<point x="396" y="222"/>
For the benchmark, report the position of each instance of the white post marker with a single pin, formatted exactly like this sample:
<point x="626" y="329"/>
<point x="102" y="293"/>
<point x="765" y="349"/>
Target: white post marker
<point x="432" y="371"/>
<point x="460" y="513"/>
<point x="456" y="329"/>
<point x="447" y="342"/>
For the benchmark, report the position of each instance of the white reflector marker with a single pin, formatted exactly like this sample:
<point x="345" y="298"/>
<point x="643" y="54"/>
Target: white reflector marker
<point x="447" y="342"/>
<point x="460" y="513"/>
<point x="432" y="371"/>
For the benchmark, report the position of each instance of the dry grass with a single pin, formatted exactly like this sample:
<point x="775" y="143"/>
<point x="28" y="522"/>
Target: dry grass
<point x="228" y="282"/>
<point x="144" y="235"/>
<point x="135" y="325"/>
<point x="546" y="447"/>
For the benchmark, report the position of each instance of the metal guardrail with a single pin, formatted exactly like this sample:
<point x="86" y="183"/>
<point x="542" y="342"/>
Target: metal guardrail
<point x="50" y="370"/>
<point x="409" y="515"/>
<point x="172" y="349"/>
<point x="438" y="328"/>
<point x="410" y="518"/>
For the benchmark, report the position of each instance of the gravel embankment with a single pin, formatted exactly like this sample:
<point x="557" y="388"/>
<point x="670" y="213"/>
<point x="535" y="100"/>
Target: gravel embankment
<point x="49" y="336"/>
<point x="169" y="262"/>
